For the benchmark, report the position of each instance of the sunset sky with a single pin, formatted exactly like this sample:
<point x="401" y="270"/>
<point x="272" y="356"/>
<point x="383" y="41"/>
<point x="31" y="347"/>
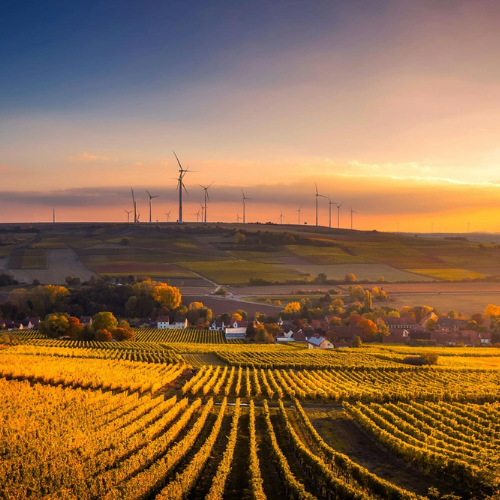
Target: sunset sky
<point x="390" y="106"/>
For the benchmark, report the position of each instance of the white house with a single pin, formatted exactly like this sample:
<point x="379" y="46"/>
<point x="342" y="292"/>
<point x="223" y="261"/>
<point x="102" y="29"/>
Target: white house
<point x="485" y="338"/>
<point x="163" y="323"/>
<point x="236" y="330"/>
<point x="317" y="342"/>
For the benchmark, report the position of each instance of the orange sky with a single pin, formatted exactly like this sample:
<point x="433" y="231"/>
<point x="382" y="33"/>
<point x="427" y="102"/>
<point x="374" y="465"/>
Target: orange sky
<point x="394" y="110"/>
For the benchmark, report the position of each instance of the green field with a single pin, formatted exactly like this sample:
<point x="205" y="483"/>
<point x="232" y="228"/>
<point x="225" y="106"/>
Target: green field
<point x="236" y="272"/>
<point x="325" y="255"/>
<point x="448" y="274"/>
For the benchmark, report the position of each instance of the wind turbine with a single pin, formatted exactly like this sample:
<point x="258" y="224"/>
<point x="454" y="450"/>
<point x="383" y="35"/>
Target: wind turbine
<point x="168" y="215"/>
<point x="207" y="198"/>
<point x="244" y="199"/>
<point x="317" y="196"/>
<point x="338" y="215"/>
<point x="330" y="203"/>
<point x="197" y="215"/>
<point x="150" y="203"/>
<point x="238" y="218"/>
<point x="180" y="185"/>
<point x="128" y="212"/>
<point x="134" y="206"/>
<point x="202" y="209"/>
<point x="281" y="217"/>
<point x="352" y="212"/>
<point x="299" y="211"/>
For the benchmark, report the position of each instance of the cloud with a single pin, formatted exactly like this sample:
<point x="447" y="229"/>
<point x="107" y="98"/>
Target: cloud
<point x="88" y="157"/>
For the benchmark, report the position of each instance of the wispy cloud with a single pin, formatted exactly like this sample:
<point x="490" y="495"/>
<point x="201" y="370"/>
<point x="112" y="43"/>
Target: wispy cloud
<point x="88" y="157"/>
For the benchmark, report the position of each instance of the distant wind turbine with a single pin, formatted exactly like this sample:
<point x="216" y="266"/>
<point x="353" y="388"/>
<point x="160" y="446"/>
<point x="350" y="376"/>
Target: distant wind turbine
<point x="197" y="216"/>
<point x="330" y="203"/>
<point x="238" y="218"/>
<point x="244" y="199"/>
<point x="151" y="197"/>
<point x="282" y="217"/>
<point x="180" y="185"/>
<point x="299" y="211"/>
<point x="317" y="196"/>
<point x="134" y="205"/>
<point x="168" y="215"/>
<point x="207" y="198"/>
<point x="202" y="211"/>
<point x="338" y="214"/>
<point x="128" y="212"/>
<point x="352" y="212"/>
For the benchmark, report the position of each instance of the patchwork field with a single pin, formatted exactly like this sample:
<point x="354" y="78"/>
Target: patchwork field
<point x="448" y="274"/>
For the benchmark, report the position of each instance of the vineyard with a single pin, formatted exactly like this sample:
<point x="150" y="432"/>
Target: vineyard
<point x="150" y="418"/>
<point x="29" y="258"/>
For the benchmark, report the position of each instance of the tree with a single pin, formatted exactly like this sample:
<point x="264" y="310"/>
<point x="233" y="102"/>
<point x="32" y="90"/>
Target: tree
<point x="452" y="314"/>
<point x="367" y="301"/>
<point x="168" y="296"/>
<point x="338" y="303"/>
<point x="104" y="321"/>
<point x="250" y="333"/>
<point x="393" y="314"/>
<point x="273" y="329"/>
<point x="491" y="311"/>
<point x="277" y="303"/>
<point x="54" y="325"/>
<point x="356" y="292"/>
<point x="240" y="238"/>
<point x="75" y="328"/>
<point x="369" y="329"/>
<point x="236" y="317"/>
<point x="354" y="319"/>
<point x="335" y="321"/>
<point x="356" y="342"/>
<point x="321" y="278"/>
<point x="478" y="318"/>
<point x="123" y="333"/>
<point x="292" y="308"/>
<point x="430" y="324"/>
<point x="103" y="335"/>
<point x="262" y="336"/>
<point x="350" y="278"/>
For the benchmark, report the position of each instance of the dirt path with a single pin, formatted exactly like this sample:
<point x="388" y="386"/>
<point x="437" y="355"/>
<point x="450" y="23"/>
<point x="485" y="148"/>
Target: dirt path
<point x="342" y="434"/>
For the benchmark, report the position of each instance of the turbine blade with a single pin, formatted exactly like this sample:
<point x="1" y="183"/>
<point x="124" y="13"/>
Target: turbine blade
<point x="180" y="166"/>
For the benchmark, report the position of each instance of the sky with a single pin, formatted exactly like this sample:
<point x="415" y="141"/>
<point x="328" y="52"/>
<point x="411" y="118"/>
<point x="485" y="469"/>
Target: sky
<point x="392" y="107"/>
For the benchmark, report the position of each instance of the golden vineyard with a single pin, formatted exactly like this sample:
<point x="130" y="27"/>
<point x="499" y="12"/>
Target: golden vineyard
<point x="171" y="418"/>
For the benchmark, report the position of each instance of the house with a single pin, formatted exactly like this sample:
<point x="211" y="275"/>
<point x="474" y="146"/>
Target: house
<point x="8" y="324"/>
<point x="446" y="337"/>
<point x="426" y="318"/>
<point x="236" y="330"/>
<point x="342" y="345"/>
<point x="162" y="322"/>
<point x="86" y="320"/>
<point x="402" y="323"/>
<point x="31" y="323"/>
<point x="299" y="336"/>
<point x="217" y="326"/>
<point x="420" y="334"/>
<point x="318" y="342"/>
<point x="176" y="325"/>
<point x="347" y="333"/>
<point x="469" y="337"/>
<point x="396" y="336"/>
<point x="485" y="338"/>
<point x="450" y="324"/>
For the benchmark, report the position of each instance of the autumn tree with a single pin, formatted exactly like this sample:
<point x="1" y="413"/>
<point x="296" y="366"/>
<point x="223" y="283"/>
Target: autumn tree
<point x="350" y="278"/>
<point x="262" y="336"/>
<point x="104" y="321"/>
<point x="369" y="329"/>
<point x="103" y="335"/>
<point x="393" y="314"/>
<point x="356" y="292"/>
<point x="292" y="308"/>
<point x="167" y="296"/>
<point x="367" y="301"/>
<point x="74" y="328"/>
<point x="236" y="317"/>
<point x="492" y="311"/>
<point x="54" y="325"/>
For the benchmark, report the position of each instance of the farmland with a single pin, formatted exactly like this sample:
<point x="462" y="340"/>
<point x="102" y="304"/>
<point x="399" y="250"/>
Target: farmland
<point x="204" y="420"/>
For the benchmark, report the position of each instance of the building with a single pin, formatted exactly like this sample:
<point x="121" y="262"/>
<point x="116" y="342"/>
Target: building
<point x="485" y="338"/>
<point x="347" y="333"/>
<point x="165" y="324"/>
<point x="217" y="326"/>
<point x="396" y="336"/>
<point x="86" y="320"/>
<point x="162" y="322"/>
<point x="402" y="323"/>
<point x="236" y="330"/>
<point x="318" y="342"/>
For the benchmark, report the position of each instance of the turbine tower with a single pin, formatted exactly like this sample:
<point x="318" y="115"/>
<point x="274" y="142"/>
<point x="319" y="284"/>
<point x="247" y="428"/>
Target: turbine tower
<point x="128" y="212"/>
<point x="53" y="216"/>
<point x="244" y="199"/>
<point x="134" y="205"/>
<point x="281" y="217"/>
<point x="352" y="212"/>
<point x="202" y="211"/>
<point x="330" y="203"/>
<point x="180" y="185"/>
<point x="317" y="196"/>
<point x="150" y="203"/>
<point x="207" y="198"/>
<point x="338" y="214"/>
<point x="299" y="211"/>
<point x="168" y="215"/>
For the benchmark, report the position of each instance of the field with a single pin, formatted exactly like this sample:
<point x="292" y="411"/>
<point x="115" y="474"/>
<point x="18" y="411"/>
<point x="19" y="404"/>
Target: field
<point x="448" y="274"/>
<point x="173" y="415"/>
<point x="29" y="259"/>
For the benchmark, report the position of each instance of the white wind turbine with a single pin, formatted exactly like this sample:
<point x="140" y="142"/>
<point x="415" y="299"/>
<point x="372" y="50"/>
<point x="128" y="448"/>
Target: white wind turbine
<point x="244" y="199"/>
<point x="317" y="196"/>
<point x="299" y="211"/>
<point x="168" y="215"/>
<point x="352" y="212"/>
<point x="338" y="214"/>
<point x="330" y="203"/>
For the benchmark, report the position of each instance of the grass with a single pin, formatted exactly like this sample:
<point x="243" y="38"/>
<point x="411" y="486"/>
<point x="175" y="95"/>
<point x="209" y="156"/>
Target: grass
<point x="237" y="272"/>
<point x="448" y="273"/>
<point x="325" y="255"/>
